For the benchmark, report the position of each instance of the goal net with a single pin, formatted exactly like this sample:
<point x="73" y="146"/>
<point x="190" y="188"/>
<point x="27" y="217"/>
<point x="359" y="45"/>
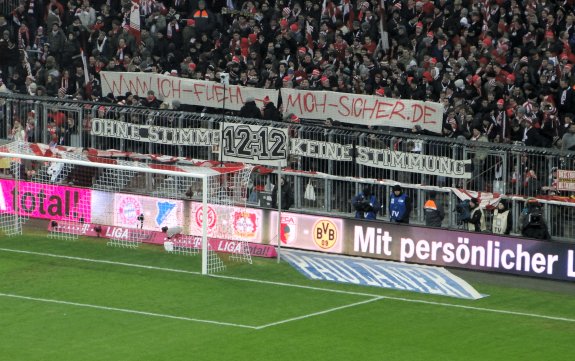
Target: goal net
<point x="73" y="193"/>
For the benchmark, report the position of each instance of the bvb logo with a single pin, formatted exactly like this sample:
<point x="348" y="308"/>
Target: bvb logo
<point x="324" y="233"/>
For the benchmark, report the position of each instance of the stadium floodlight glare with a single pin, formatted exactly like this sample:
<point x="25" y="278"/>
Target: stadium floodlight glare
<point x="221" y="187"/>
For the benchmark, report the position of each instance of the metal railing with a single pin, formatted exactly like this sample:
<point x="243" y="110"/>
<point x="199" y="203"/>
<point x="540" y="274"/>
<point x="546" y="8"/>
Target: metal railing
<point x="502" y="168"/>
<point x="7" y="6"/>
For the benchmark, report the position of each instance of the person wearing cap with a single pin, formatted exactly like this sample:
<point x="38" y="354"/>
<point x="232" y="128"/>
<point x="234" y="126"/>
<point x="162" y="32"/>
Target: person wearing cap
<point x="365" y="204"/>
<point x="270" y="111"/>
<point x="399" y="205"/>
<point x="502" y="218"/>
<point x="433" y="211"/>
<point x="151" y="101"/>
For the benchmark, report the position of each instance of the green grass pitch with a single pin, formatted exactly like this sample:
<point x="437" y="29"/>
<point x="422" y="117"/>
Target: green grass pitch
<point x="82" y="300"/>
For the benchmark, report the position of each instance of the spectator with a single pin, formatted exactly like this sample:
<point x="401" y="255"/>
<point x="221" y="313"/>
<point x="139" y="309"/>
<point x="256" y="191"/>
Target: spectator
<point x="151" y="100"/>
<point x="204" y="18"/>
<point x="270" y="112"/>
<point x="57" y="41"/>
<point x="18" y="133"/>
<point x="250" y="109"/>
<point x="287" y="198"/>
<point x="531" y="135"/>
<point x="433" y="211"/>
<point x="568" y="140"/>
<point x="532" y="186"/>
<point x="399" y="205"/>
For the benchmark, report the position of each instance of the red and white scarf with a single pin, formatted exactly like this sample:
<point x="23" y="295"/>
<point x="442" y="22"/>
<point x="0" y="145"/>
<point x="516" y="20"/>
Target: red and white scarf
<point x="172" y="29"/>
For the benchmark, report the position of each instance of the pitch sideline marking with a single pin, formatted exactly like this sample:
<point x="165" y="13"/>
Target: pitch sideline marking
<point x="135" y="265"/>
<point x="318" y="313"/>
<point x="125" y="310"/>
<point x="373" y="296"/>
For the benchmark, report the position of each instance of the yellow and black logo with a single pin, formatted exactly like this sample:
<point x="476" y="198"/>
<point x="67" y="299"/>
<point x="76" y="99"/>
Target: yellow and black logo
<point x="325" y="233"/>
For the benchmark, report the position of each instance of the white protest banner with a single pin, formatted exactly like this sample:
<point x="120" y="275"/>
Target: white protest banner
<point x="321" y="150"/>
<point x="186" y="91"/>
<point x="254" y="144"/>
<point x="155" y="134"/>
<point x="566" y="180"/>
<point x="363" y="109"/>
<point x="413" y="162"/>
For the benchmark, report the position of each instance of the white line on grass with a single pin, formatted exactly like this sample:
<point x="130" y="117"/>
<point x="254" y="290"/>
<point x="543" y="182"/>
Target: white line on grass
<point x="135" y="265"/>
<point x="534" y="315"/>
<point x="294" y="286"/>
<point x="125" y="310"/>
<point x="187" y="272"/>
<point x="493" y="310"/>
<point x="318" y="313"/>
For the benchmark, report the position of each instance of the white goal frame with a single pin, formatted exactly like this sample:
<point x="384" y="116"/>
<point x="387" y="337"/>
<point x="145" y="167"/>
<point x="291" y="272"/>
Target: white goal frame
<point x="22" y="150"/>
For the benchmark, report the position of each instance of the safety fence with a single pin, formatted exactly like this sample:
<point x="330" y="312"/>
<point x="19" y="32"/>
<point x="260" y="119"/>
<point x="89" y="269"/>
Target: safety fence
<point x="7" y="6"/>
<point x="327" y="164"/>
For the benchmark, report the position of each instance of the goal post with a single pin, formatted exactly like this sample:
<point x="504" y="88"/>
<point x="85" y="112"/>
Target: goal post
<point x="78" y="193"/>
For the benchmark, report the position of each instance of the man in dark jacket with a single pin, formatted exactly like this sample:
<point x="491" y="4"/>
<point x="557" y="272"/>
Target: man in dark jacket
<point x="532" y="222"/>
<point x="286" y="195"/>
<point x="532" y="137"/>
<point x="151" y="101"/>
<point x="250" y="109"/>
<point x="204" y="18"/>
<point x="433" y="210"/>
<point x="365" y="204"/>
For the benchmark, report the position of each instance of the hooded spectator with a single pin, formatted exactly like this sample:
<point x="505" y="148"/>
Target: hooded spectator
<point x="250" y="109"/>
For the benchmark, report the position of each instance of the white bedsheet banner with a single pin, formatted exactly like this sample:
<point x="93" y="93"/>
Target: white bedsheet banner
<point x="186" y="91"/>
<point x="363" y="109"/>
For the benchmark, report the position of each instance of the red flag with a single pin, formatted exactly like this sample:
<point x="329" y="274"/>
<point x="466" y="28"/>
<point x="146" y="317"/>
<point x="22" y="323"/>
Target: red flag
<point x="135" y="20"/>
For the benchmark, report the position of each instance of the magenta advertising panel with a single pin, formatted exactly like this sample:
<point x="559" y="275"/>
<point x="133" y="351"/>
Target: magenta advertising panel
<point x="160" y="238"/>
<point x="228" y="222"/>
<point x="45" y="201"/>
<point x="304" y="231"/>
<point x="157" y="212"/>
<point x="452" y="248"/>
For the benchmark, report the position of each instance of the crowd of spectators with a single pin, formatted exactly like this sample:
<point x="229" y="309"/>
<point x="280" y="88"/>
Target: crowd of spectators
<point x="502" y="68"/>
